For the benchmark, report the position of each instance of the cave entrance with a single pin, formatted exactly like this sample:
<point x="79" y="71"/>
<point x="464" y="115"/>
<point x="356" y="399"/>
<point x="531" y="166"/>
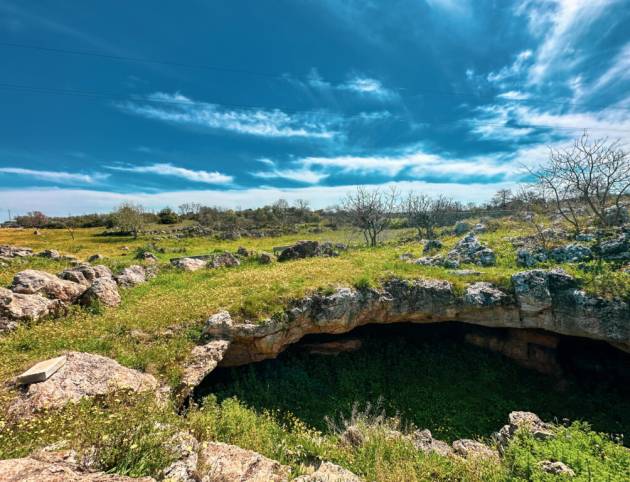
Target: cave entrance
<point x="458" y="380"/>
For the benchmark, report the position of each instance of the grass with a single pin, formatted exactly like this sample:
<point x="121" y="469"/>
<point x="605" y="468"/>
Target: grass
<point x="159" y="322"/>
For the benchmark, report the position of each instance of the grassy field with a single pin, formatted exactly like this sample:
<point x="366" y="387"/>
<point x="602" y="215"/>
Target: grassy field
<point x="159" y="322"/>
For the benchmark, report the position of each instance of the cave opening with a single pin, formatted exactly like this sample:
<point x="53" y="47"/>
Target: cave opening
<point x="456" y="379"/>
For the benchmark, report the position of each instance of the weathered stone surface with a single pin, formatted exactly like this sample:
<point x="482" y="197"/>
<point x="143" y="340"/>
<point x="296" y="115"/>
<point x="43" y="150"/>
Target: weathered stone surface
<point x="41" y="371"/>
<point x="470" y="250"/>
<point x="423" y="440"/>
<point x="183" y="447"/>
<point x="56" y="467"/>
<point x="189" y="264"/>
<point x="131" y="276"/>
<point x="83" y="375"/>
<point x="266" y="258"/>
<point x="522" y="421"/>
<point x="556" y="468"/>
<point x="471" y="449"/>
<point x="228" y="463"/>
<point x="16" y="307"/>
<point x="9" y="251"/>
<point x="571" y="253"/>
<point x="528" y="258"/>
<point x="31" y="281"/>
<point x="223" y="260"/>
<point x="327" y="472"/>
<point x="50" y="253"/>
<point x="104" y="291"/>
<point x="484" y="294"/>
<point x="218" y="325"/>
<point x="202" y="360"/>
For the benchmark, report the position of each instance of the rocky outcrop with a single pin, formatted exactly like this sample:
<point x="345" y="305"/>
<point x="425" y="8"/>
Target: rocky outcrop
<point x="472" y="449"/>
<point x="202" y="360"/>
<point x="83" y="375"/>
<point x="423" y="440"/>
<point x="31" y="282"/>
<point x="8" y="251"/>
<point x="16" y="307"/>
<point x="539" y="299"/>
<point x="219" y="461"/>
<point x="522" y="421"/>
<point x="85" y="273"/>
<point x="56" y="467"/>
<point x="104" y="291"/>
<point x="470" y="250"/>
<point x="309" y="249"/>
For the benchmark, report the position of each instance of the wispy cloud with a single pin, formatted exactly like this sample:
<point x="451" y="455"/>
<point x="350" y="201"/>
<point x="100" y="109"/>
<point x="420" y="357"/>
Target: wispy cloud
<point x="55" y="176"/>
<point x="166" y="169"/>
<point x="513" y="95"/>
<point x="361" y="85"/>
<point x="619" y="71"/>
<point x="179" y="109"/>
<point x="513" y="70"/>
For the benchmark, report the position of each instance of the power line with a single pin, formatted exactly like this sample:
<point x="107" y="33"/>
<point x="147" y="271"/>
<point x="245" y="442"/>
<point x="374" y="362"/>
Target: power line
<point x="286" y="77"/>
<point x="112" y="97"/>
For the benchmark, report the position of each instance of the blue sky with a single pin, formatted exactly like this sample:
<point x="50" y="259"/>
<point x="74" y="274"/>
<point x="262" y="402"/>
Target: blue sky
<point x="238" y="103"/>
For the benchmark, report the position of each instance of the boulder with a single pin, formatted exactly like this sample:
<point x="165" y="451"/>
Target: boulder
<point x="131" y="276"/>
<point x="31" y="281"/>
<point x="85" y="273"/>
<point x="571" y="253"/>
<point x="223" y="260"/>
<point x="423" y="440"/>
<point x="556" y="468"/>
<point x="228" y="463"/>
<point x="266" y="258"/>
<point x="529" y="259"/>
<point x="522" y="421"/>
<point x="189" y="264"/>
<point x="470" y="250"/>
<point x="301" y="249"/>
<point x="16" y="307"/>
<point x="202" y="360"/>
<point x="8" y="251"/>
<point x="50" y="254"/>
<point x="471" y="449"/>
<point x="83" y="375"/>
<point x="243" y="251"/>
<point x="327" y="472"/>
<point x="62" y="466"/>
<point x="104" y="291"/>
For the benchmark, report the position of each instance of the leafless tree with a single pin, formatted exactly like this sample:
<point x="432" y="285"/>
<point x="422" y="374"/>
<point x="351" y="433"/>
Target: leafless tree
<point x="370" y="210"/>
<point x="425" y="213"/>
<point x="592" y="172"/>
<point x="502" y="198"/>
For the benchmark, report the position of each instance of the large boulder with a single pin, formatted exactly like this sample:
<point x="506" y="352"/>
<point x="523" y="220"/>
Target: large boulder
<point x="83" y="375"/>
<point x="85" y="273"/>
<point x="31" y="281"/>
<point x="8" y="251"/>
<point x="423" y="440"/>
<point x="60" y="466"/>
<point x="131" y="276"/>
<point x="104" y="291"/>
<point x="228" y="463"/>
<point x="223" y="260"/>
<point x="189" y="264"/>
<point x="16" y="307"/>
<point x="301" y="249"/>
<point x="50" y="254"/>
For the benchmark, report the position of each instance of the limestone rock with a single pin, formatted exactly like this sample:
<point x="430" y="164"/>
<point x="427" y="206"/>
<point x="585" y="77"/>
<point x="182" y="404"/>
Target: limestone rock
<point x="103" y="290"/>
<point x="146" y="256"/>
<point x="423" y="440"/>
<point x="556" y="468"/>
<point x="56" y="467"/>
<point x="471" y="449"/>
<point x="218" y="325"/>
<point x="484" y="294"/>
<point x="85" y="273"/>
<point x="470" y="250"/>
<point x="571" y="253"/>
<point x="8" y="251"/>
<point x="223" y="260"/>
<point x="228" y="463"/>
<point x="529" y="259"/>
<point x="522" y="421"/>
<point x="266" y="258"/>
<point x="24" y="307"/>
<point x="50" y="254"/>
<point x="83" y="375"/>
<point x="301" y="249"/>
<point x="131" y="276"/>
<point x="202" y="360"/>
<point x="183" y="447"/>
<point x="31" y="281"/>
<point x="189" y="264"/>
<point x="327" y="472"/>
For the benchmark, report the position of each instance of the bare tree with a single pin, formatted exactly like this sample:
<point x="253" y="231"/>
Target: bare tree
<point x="370" y="210"/>
<point x="129" y="218"/>
<point x="502" y="198"/>
<point x="592" y="172"/>
<point x="425" y="213"/>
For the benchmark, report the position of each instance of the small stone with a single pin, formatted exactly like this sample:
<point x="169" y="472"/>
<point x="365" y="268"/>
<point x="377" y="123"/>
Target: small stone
<point x="470" y="449"/>
<point x="41" y="371"/>
<point x="556" y="468"/>
<point x="352" y="436"/>
<point x="219" y="461"/>
<point x="266" y="258"/>
<point x="95" y="257"/>
<point x="50" y="253"/>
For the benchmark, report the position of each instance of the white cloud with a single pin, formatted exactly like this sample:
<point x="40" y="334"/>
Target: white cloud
<point x="513" y="70"/>
<point x="55" y="176"/>
<point x="165" y="169"/>
<point x="57" y="202"/>
<point x="179" y="109"/>
<point x="617" y="72"/>
<point x="513" y="95"/>
<point x="366" y="86"/>
<point x="305" y="176"/>
<point x="559" y="23"/>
